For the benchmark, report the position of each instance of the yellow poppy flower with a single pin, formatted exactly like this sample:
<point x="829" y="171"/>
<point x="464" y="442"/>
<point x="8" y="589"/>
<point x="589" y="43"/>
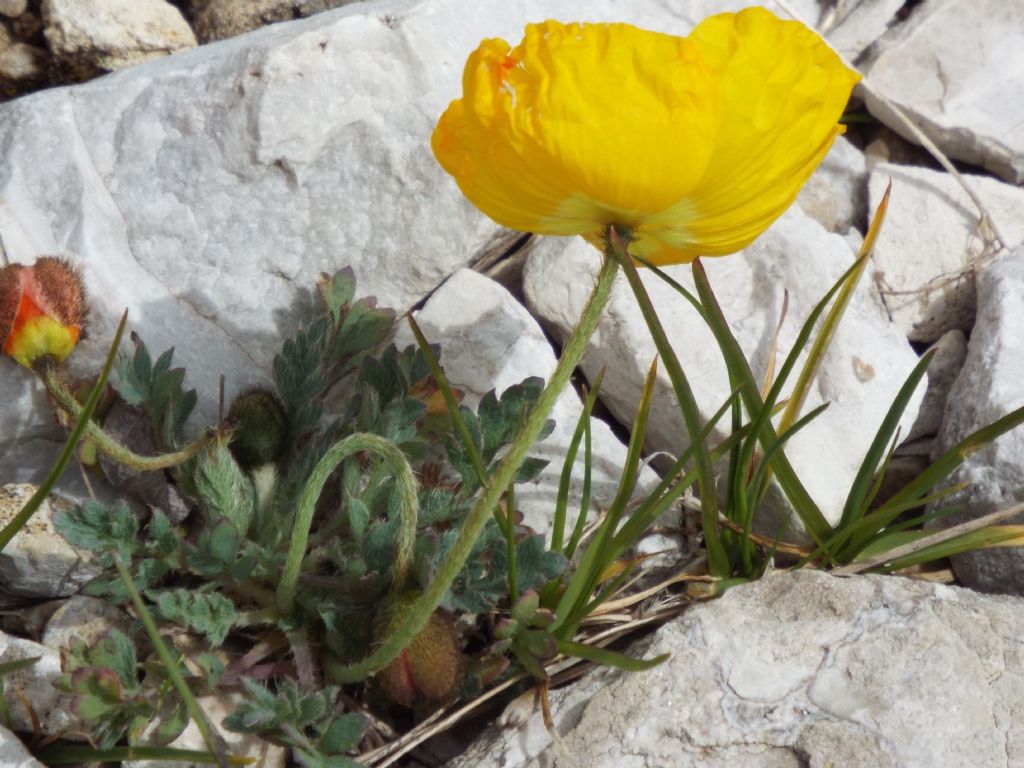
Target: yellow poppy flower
<point x="695" y="144"/>
<point x="42" y="310"/>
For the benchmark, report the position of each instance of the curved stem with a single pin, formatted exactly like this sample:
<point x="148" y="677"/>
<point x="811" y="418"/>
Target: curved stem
<point x="337" y="453"/>
<point x="109" y="445"/>
<point x="419" y="613"/>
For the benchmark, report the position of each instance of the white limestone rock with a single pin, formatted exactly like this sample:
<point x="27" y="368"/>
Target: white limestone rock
<point x="930" y="240"/>
<point x="989" y="387"/>
<point x="38" y="562"/>
<point x="836" y="195"/>
<point x="90" y="35"/>
<point x="865" y="367"/>
<point x="794" y="670"/>
<point x="206" y="191"/>
<point x="489" y="341"/>
<point x="959" y="74"/>
<point x="13" y="753"/>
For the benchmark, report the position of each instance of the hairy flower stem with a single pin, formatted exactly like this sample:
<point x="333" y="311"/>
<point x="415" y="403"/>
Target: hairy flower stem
<point x="337" y="453"/>
<point x="108" y="445"/>
<point x="170" y="665"/>
<point x="419" y="613"/>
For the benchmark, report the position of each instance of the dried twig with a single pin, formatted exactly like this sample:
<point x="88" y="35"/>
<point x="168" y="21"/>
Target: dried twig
<point x="928" y="541"/>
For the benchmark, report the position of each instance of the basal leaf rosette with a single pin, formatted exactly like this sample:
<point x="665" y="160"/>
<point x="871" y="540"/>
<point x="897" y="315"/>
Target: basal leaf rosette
<point x="695" y="144"/>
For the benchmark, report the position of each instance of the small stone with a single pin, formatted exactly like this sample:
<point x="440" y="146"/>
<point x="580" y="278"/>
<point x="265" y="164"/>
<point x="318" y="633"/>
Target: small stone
<point x="22" y="62"/>
<point x="12" y="9"/>
<point x="220" y="19"/>
<point x="27" y="27"/>
<point x="38" y="562"/>
<point x="13" y="752"/>
<point x="86" y="618"/>
<point x="858" y="23"/>
<point x="87" y="36"/>
<point x="51" y="708"/>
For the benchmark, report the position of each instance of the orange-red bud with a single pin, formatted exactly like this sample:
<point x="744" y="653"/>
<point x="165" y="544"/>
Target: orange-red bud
<point x="42" y="310"/>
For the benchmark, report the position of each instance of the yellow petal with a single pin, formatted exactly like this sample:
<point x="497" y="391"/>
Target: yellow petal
<point x="695" y="144"/>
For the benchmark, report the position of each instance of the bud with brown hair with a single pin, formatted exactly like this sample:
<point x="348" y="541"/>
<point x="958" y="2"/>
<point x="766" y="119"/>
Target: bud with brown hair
<point x="428" y="671"/>
<point x="260" y="423"/>
<point x="42" y="310"/>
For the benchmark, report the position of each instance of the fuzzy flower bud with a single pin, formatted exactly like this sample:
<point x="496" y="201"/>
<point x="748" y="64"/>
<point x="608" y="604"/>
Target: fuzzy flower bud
<point x="42" y="310"/>
<point x="261" y="427"/>
<point x="429" y="669"/>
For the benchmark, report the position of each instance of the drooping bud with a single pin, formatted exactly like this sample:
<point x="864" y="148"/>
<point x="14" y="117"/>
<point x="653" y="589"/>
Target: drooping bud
<point x="261" y="427"/>
<point x="42" y="310"/>
<point x="429" y="669"/>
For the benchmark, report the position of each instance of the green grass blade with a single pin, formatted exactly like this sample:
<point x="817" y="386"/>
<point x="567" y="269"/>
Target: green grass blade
<point x="579" y="612"/>
<point x="581" y="518"/>
<point x="718" y="561"/>
<point x="564" y="480"/>
<point x="986" y="538"/>
<point x="594" y="561"/>
<point x="763" y="417"/>
<point x="8" y="667"/>
<point x="675" y="284"/>
<point x="943" y="466"/>
<point x="815" y="523"/>
<point x="857" y="499"/>
<point x="608" y="658"/>
<point x="867" y="529"/>
<point x="760" y="476"/>
<point x="667" y="491"/>
<point x="32" y="505"/>
<point x="66" y="754"/>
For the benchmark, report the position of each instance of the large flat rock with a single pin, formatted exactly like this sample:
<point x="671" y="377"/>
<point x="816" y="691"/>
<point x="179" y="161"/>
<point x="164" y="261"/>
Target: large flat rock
<point x="799" y="669"/>
<point x="207" y="190"/>
<point x="958" y="72"/>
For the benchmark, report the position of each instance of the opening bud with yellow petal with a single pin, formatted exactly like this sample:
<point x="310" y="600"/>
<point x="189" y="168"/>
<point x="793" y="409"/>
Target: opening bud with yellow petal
<point x="695" y="144"/>
<point x="42" y="310"/>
